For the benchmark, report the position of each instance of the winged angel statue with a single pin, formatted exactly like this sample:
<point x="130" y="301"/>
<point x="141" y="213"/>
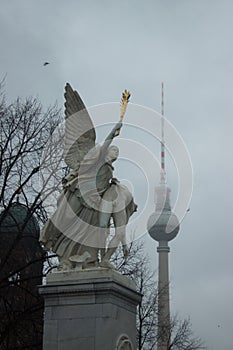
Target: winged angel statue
<point x="91" y="198"/>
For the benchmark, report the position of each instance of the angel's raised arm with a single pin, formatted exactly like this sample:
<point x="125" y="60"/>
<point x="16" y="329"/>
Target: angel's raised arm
<point x="110" y="137"/>
<point x="116" y="130"/>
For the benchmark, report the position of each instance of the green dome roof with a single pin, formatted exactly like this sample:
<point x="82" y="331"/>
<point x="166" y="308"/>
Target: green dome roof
<point x="17" y="219"/>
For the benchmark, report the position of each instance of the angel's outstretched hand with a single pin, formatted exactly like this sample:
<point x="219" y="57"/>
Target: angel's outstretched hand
<point x="117" y="129"/>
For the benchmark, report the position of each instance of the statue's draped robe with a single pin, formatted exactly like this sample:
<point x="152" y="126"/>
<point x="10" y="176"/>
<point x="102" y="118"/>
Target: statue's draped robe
<point x="74" y="228"/>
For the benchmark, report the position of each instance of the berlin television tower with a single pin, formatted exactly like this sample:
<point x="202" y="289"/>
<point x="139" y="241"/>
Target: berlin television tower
<point x="163" y="226"/>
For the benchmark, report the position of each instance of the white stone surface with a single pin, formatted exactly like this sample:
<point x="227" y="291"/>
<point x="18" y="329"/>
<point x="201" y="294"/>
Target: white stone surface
<point x="89" y="274"/>
<point x="89" y="310"/>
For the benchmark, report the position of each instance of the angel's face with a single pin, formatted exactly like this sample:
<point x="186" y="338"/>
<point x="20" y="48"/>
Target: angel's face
<point x="113" y="153"/>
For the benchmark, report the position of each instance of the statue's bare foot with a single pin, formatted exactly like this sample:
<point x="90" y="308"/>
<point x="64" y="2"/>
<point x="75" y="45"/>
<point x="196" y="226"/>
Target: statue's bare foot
<point x="80" y="258"/>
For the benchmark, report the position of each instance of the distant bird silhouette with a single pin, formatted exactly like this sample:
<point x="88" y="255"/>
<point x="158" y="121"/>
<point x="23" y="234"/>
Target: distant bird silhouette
<point x="188" y="209"/>
<point x="46" y="63"/>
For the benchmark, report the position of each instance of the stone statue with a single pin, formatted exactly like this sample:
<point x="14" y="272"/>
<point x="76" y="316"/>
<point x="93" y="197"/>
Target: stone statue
<point x="91" y="196"/>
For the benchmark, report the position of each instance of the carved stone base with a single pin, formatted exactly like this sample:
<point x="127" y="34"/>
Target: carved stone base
<point x="89" y="310"/>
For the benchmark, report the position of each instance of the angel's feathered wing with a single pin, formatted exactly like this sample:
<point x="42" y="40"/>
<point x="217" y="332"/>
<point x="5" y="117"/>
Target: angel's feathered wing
<point x="79" y="130"/>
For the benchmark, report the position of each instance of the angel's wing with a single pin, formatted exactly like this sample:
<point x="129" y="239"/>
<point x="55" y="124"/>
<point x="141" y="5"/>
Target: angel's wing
<point x="79" y="131"/>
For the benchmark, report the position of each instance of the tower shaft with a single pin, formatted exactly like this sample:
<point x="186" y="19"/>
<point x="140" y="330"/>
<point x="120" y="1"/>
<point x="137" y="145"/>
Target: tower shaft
<point x="163" y="297"/>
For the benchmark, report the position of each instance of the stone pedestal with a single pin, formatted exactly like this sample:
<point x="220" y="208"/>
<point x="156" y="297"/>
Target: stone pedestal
<point x="89" y="310"/>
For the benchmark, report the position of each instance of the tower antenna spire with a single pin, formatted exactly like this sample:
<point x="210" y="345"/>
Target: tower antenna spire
<point x="162" y="174"/>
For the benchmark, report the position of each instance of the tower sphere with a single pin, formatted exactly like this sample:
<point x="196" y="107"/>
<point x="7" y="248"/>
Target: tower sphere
<point x="163" y="225"/>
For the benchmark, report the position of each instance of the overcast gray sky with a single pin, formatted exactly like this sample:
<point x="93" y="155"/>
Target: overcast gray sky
<point x="103" y="47"/>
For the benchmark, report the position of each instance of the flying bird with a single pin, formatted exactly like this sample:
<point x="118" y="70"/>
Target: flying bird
<point x="46" y="63"/>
